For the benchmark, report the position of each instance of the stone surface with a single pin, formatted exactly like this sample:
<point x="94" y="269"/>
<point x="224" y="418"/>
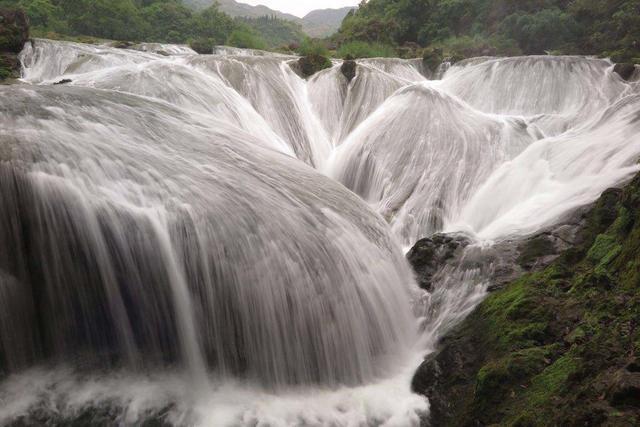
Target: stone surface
<point x="626" y="71"/>
<point x="557" y="345"/>
<point x="348" y="69"/>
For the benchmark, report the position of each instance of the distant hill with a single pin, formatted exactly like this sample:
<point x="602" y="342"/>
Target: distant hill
<point x="237" y="9"/>
<point x="324" y="22"/>
<point x="318" y="23"/>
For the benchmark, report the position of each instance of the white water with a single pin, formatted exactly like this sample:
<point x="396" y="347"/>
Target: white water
<point x="175" y="248"/>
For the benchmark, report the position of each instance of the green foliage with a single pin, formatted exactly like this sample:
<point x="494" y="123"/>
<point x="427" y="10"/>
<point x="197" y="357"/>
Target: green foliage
<point x="501" y="27"/>
<point x="5" y="73"/>
<point x="274" y="31"/>
<point x="245" y="38"/>
<point x="360" y="49"/>
<point x="202" y="45"/>
<point x="477" y="45"/>
<point x="542" y="31"/>
<point x="311" y="47"/>
<point x="149" y="20"/>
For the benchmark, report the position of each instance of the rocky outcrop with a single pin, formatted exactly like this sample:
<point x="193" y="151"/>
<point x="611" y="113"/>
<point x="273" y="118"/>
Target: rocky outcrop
<point x="429" y="255"/>
<point x="626" y="71"/>
<point x="435" y="256"/>
<point x="558" y="345"/>
<point x="348" y="69"/>
<point x="432" y="59"/>
<point x="14" y="33"/>
<point x="309" y="65"/>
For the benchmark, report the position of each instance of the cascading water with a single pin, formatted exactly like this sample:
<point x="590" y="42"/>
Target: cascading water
<point x="168" y="250"/>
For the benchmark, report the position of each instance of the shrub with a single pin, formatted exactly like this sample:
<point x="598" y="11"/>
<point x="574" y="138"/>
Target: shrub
<point x="360" y="49"/>
<point x="312" y="47"/>
<point x="468" y="47"/>
<point x="203" y="46"/>
<point x="245" y="39"/>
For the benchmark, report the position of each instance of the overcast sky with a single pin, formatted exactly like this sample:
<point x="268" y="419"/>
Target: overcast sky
<point x="302" y="7"/>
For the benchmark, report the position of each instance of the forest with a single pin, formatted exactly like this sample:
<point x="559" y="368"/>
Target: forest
<point x="167" y="21"/>
<point x="500" y="27"/>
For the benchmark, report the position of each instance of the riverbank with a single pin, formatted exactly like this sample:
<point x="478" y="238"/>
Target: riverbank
<point x="554" y="347"/>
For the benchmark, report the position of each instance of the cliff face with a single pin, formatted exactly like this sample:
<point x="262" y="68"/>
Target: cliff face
<point x="558" y="346"/>
<point x="14" y="33"/>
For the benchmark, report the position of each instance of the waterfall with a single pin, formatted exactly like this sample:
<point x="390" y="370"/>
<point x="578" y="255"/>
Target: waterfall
<point x="212" y="240"/>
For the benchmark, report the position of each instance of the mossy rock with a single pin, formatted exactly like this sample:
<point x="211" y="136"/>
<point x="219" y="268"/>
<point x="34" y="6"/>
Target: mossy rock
<point x="348" y="69"/>
<point x="202" y="46"/>
<point x="553" y="347"/>
<point x="432" y="59"/>
<point x="309" y="65"/>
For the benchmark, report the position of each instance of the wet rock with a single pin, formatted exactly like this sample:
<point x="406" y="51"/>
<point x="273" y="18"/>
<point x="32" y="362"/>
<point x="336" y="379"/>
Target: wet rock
<point x="121" y="44"/>
<point x="555" y="347"/>
<point x="348" y="69"/>
<point x="432" y="258"/>
<point x="626" y="71"/>
<point x="444" y="376"/>
<point x="429" y="255"/>
<point x="63" y="82"/>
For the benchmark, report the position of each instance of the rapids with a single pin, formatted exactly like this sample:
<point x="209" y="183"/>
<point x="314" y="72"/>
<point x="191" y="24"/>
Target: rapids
<point x="212" y="240"/>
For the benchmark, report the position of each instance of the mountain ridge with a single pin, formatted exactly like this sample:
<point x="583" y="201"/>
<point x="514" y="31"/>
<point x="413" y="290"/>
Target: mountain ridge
<point x="317" y="23"/>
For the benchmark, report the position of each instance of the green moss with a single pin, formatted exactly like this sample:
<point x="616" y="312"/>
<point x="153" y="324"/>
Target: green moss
<point x="551" y="381"/>
<point x="515" y="366"/>
<point x="604" y="250"/>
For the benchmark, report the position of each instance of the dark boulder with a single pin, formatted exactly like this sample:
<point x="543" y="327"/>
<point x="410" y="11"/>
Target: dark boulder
<point x="625" y="71"/>
<point x="348" y="69"/>
<point x="63" y="82"/>
<point x="14" y="30"/>
<point x="432" y="59"/>
<point x="432" y="253"/>
<point x="121" y="44"/>
<point x="624" y="388"/>
<point x="444" y="377"/>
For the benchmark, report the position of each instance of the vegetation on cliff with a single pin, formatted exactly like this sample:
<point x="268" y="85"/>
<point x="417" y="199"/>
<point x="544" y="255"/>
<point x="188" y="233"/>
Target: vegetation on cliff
<point x="502" y="27"/>
<point x="14" y="32"/>
<point x="556" y="347"/>
<point x="165" y="21"/>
